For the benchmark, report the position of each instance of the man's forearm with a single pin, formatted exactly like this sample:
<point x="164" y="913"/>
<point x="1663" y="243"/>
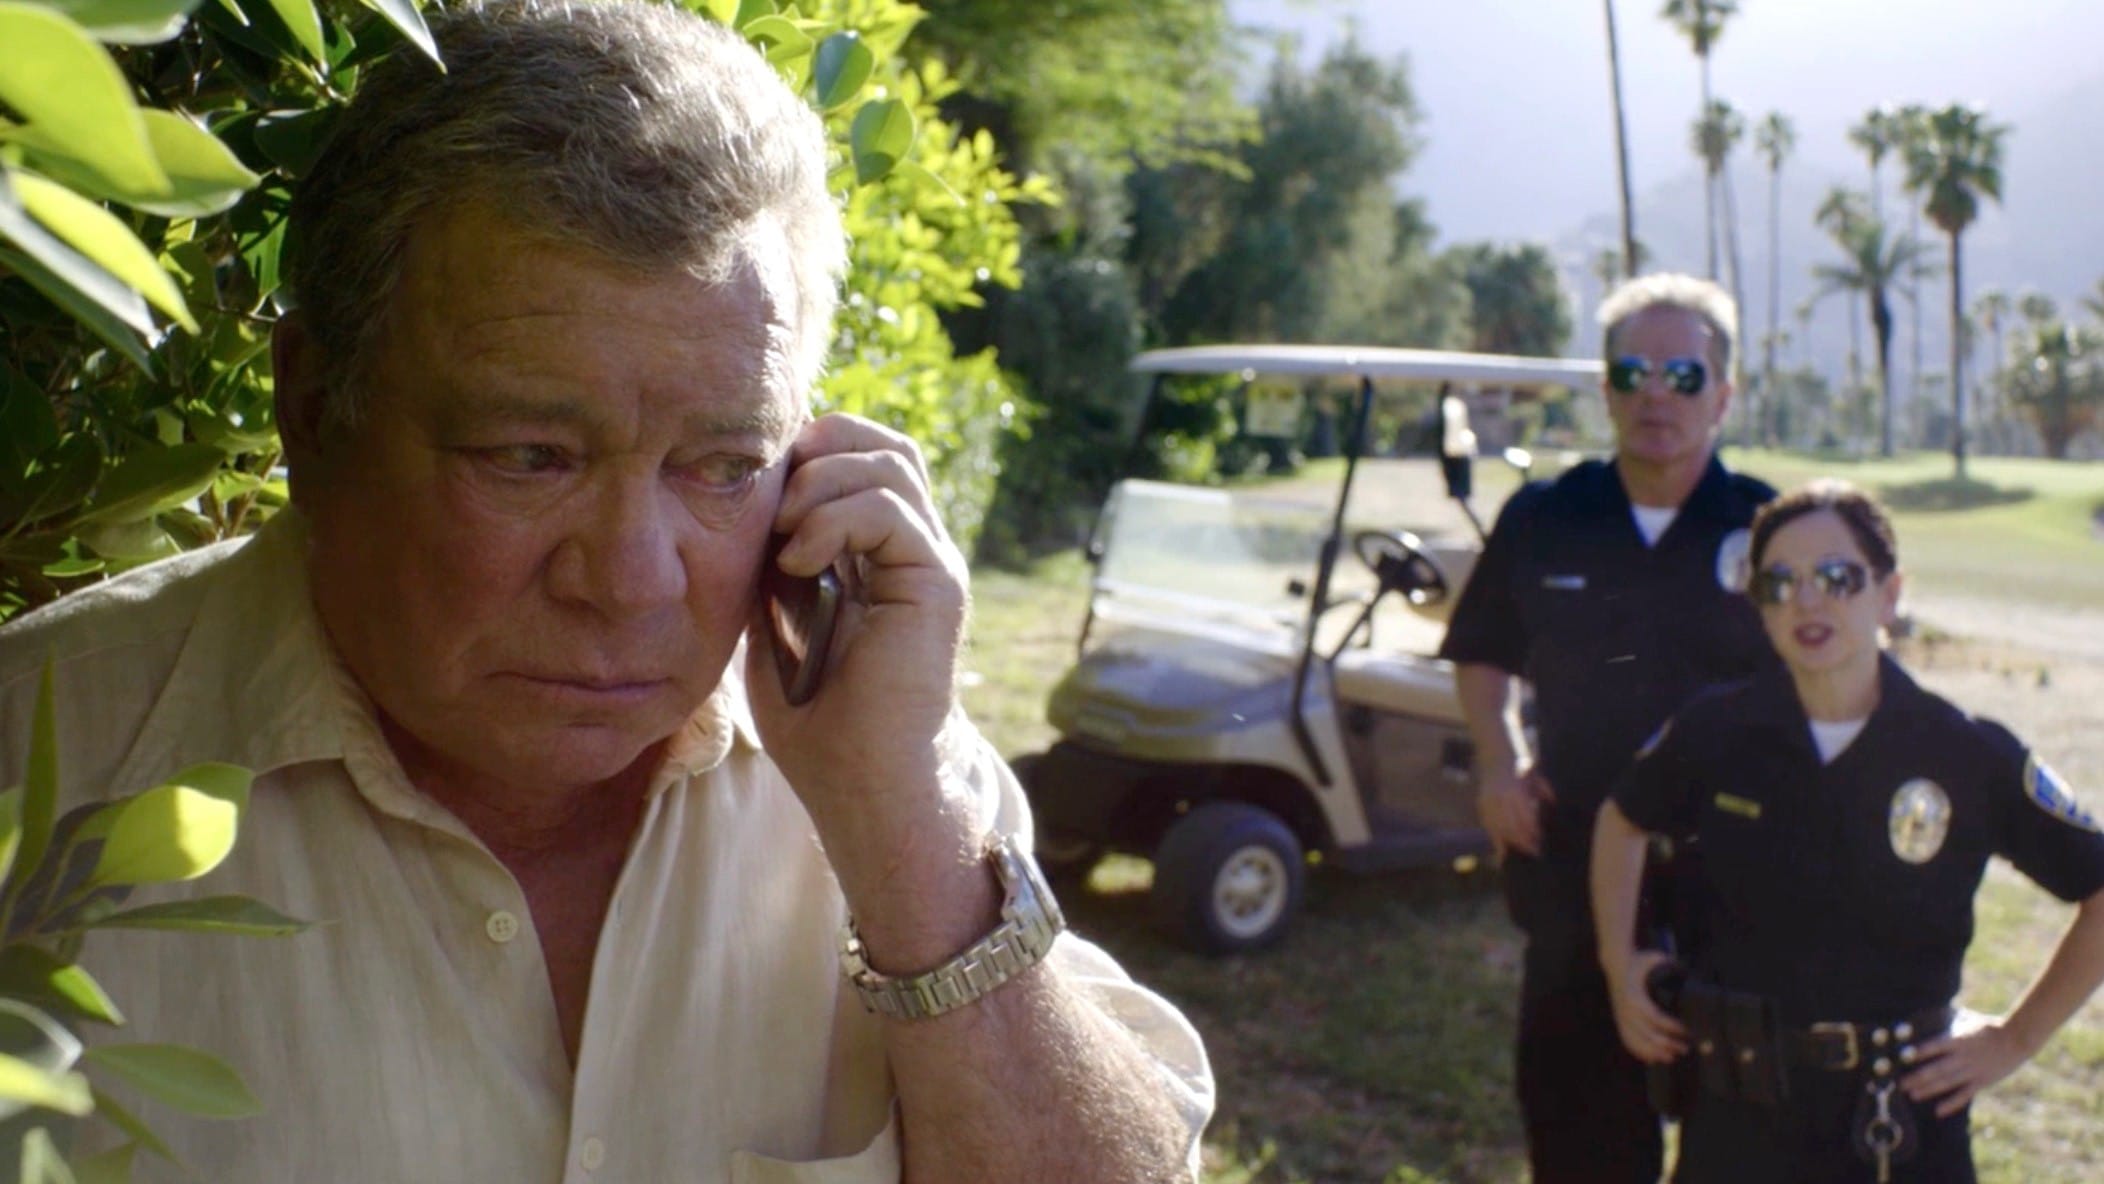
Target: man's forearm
<point x="1034" y="1083"/>
<point x="1487" y="706"/>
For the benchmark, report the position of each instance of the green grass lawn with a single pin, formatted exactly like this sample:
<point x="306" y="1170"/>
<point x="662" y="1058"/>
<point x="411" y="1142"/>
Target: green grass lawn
<point x="1373" y="1045"/>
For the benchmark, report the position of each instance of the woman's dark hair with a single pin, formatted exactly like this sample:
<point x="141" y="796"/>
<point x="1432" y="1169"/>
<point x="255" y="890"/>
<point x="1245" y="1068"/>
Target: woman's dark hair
<point x="1859" y="511"/>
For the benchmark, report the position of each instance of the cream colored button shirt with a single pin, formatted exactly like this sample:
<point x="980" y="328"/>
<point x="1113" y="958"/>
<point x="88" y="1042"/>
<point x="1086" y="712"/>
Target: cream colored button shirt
<point x="412" y="1036"/>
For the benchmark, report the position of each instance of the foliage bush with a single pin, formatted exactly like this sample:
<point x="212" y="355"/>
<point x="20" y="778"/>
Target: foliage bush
<point x="63" y="877"/>
<point x="147" y="150"/>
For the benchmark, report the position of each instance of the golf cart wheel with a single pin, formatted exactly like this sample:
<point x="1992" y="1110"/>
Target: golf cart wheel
<point x="1227" y="877"/>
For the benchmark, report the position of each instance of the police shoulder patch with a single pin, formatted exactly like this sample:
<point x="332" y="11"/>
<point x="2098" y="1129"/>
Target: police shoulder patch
<point x="1734" y="552"/>
<point x="2049" y="793"/>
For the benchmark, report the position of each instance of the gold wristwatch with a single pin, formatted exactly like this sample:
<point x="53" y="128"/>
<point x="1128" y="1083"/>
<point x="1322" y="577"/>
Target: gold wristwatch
<point x="1030" y="920"/>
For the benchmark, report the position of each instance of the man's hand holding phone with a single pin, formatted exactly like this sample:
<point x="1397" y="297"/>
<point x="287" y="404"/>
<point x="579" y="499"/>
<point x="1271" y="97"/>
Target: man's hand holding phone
<point x="865" y="750"/>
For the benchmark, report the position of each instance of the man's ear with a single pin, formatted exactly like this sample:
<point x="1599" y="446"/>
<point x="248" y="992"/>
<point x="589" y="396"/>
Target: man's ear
<point x="301" y="397"/>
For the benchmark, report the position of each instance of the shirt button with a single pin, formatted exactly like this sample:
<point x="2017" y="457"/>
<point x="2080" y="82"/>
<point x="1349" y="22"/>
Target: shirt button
<point x="501" y="927"/>
<point x="592" y="1155"/>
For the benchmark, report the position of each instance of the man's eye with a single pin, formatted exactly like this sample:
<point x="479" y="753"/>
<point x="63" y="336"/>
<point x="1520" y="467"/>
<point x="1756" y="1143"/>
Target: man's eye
<point x="524" y="459"/>
<point x="721" y="471"/>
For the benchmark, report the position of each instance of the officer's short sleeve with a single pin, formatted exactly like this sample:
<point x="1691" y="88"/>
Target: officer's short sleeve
<point x="1657" y="792"/>
<point x="1486" y="626"/>
<point x="2045" y="830"/>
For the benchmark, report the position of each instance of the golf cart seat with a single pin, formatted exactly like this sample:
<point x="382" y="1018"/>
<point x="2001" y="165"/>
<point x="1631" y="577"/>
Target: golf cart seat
<point x="1401" y="683"/>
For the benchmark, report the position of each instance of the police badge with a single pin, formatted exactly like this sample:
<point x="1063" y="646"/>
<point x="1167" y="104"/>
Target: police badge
<point x="1734" y="553"/>
<point x="2045" y="790"/>
<point x="1919" y="820"/>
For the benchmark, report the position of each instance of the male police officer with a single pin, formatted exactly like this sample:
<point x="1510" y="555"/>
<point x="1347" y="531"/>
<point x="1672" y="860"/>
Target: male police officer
<point x="1614" y="591"/>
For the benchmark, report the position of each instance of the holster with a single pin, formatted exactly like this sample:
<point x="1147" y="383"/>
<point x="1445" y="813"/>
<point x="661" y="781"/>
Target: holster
<point x="1669" y="1087"/>
<point x="1738" y="1043"/>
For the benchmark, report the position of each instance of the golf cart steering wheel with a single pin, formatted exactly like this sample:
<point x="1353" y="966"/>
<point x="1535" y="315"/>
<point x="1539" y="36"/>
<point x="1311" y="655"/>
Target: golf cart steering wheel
<point x="1399" y="561"/>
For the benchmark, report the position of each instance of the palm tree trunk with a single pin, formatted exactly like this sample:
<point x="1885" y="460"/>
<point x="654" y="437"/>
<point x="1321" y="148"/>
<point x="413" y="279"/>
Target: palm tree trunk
<point x="1775" y="280"/>
<point x="1731" y="241"/>
<point x="1881" y="323"/>
<point x="1914" y="310"/>
<point x="1957" y="379"/>
<point x="1614" y="73"/>
<point x="1709" y="182"/>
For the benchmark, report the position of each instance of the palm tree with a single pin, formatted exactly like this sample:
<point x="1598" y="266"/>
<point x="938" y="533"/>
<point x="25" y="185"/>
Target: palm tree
<point x="1614" y="75"/>
<point x="2058" y="381"/>
<point x="1872" y="262"/>
<point x="1875" y="135"/>
<point x="1990" y="311"/>
<point x="1956" y="159"/>
<point x="2037" y="308"/>
<point x="1702" y="22"/>
<point x="1713" y="137"/>
<point x="1839" y="213"/>
<point x="1774" y="139"/>
<point x="2095" y="303"/>
<point x="1907" y="123"/>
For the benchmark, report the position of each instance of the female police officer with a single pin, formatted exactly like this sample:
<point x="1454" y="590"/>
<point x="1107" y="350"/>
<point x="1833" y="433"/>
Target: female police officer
<point x="1843" y="817"/>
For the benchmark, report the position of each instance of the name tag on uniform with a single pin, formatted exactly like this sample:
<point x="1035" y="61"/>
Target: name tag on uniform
<point x="1575" y="583"/>
<point x="1732" y="803"/>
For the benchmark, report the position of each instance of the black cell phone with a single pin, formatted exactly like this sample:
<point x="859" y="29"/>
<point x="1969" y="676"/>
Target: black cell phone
<point x="802" y="614"/>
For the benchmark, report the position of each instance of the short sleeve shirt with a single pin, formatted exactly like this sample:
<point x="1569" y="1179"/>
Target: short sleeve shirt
<point x="1845" y="889"/>
<point x="1612" y="634"/>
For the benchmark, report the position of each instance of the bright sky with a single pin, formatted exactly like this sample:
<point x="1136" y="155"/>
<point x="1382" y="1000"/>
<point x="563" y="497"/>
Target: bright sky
<point x="1516" y="91"/>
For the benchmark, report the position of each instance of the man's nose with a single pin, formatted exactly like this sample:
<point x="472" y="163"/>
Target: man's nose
<point x="623" y="555"/>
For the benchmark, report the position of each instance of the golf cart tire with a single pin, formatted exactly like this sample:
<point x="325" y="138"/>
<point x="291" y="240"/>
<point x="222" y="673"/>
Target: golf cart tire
<point x="1227" y="878"/>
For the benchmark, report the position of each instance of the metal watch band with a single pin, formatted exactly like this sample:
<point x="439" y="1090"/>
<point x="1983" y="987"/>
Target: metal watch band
<point x="1030" y="920"/>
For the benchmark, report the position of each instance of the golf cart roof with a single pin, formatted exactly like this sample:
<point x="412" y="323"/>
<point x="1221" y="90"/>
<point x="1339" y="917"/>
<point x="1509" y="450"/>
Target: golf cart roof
<point x="1369" y="361"/>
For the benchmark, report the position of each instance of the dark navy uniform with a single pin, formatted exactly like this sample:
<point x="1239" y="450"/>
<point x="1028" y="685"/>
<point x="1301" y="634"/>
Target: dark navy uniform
<point x="1844" y="892"/>
<point x="1614" y="636"/>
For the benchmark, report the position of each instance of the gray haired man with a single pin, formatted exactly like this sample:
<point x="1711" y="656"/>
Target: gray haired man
<point x="560" y="309"/>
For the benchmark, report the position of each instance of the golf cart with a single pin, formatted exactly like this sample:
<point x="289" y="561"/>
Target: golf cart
<point x="1254" y="687"/>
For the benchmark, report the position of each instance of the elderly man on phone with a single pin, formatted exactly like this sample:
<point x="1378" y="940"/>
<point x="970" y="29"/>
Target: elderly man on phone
<point x="601" y="902"/>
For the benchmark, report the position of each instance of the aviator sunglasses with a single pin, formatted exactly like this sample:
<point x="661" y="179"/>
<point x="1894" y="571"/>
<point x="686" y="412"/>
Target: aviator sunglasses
<point x="1838" y="579"/>
<point x="1685" y="376"/>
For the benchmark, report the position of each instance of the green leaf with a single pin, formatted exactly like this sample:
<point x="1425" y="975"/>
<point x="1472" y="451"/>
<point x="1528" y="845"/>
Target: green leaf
<point x="402" y="14"/>
<point x="750" y="11"/>
<point x="235" y="916"/>
<point x="842" y="67"/>
<point x="68" y="279"/>
<point x="303" y="22"/>
<point x="293" y="139"/>
<point x="28" y="423"/>
<point x="60" y="81"/>
<point x="127" y="543"/>
<point x="204" y="175"/>
<point x="41" y="1161"/>
<point x="114" y="1112"/>
<point x="128" y="22"/>
<point x="723" y="12"/>
<point x="58" y="479"/>
<point x="10" y="830"/>
<point x="66" y="569"/>
<point x="152" y="480"/>
<point x="23" y="1084"/>
<point x="880" y="137"/>
<point x="40" y="786"/>
<point x="110" y="1167"/>
<point x="101" y="237"/>
<point x="31" y="974"/>
<point x="167" y="833"/>
<point x="191" y="1081"/>
<point x="228" y="783"/>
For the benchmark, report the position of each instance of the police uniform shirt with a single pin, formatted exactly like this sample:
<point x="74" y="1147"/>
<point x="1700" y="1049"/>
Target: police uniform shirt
<point x="1845" y="890"/>
<point x="1614" y="635"/>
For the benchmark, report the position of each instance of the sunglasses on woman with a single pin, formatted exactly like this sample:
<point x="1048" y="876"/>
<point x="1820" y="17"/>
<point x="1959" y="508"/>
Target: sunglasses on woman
<point x="1837" y="579"/>
<point x="1686" y="376"/>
